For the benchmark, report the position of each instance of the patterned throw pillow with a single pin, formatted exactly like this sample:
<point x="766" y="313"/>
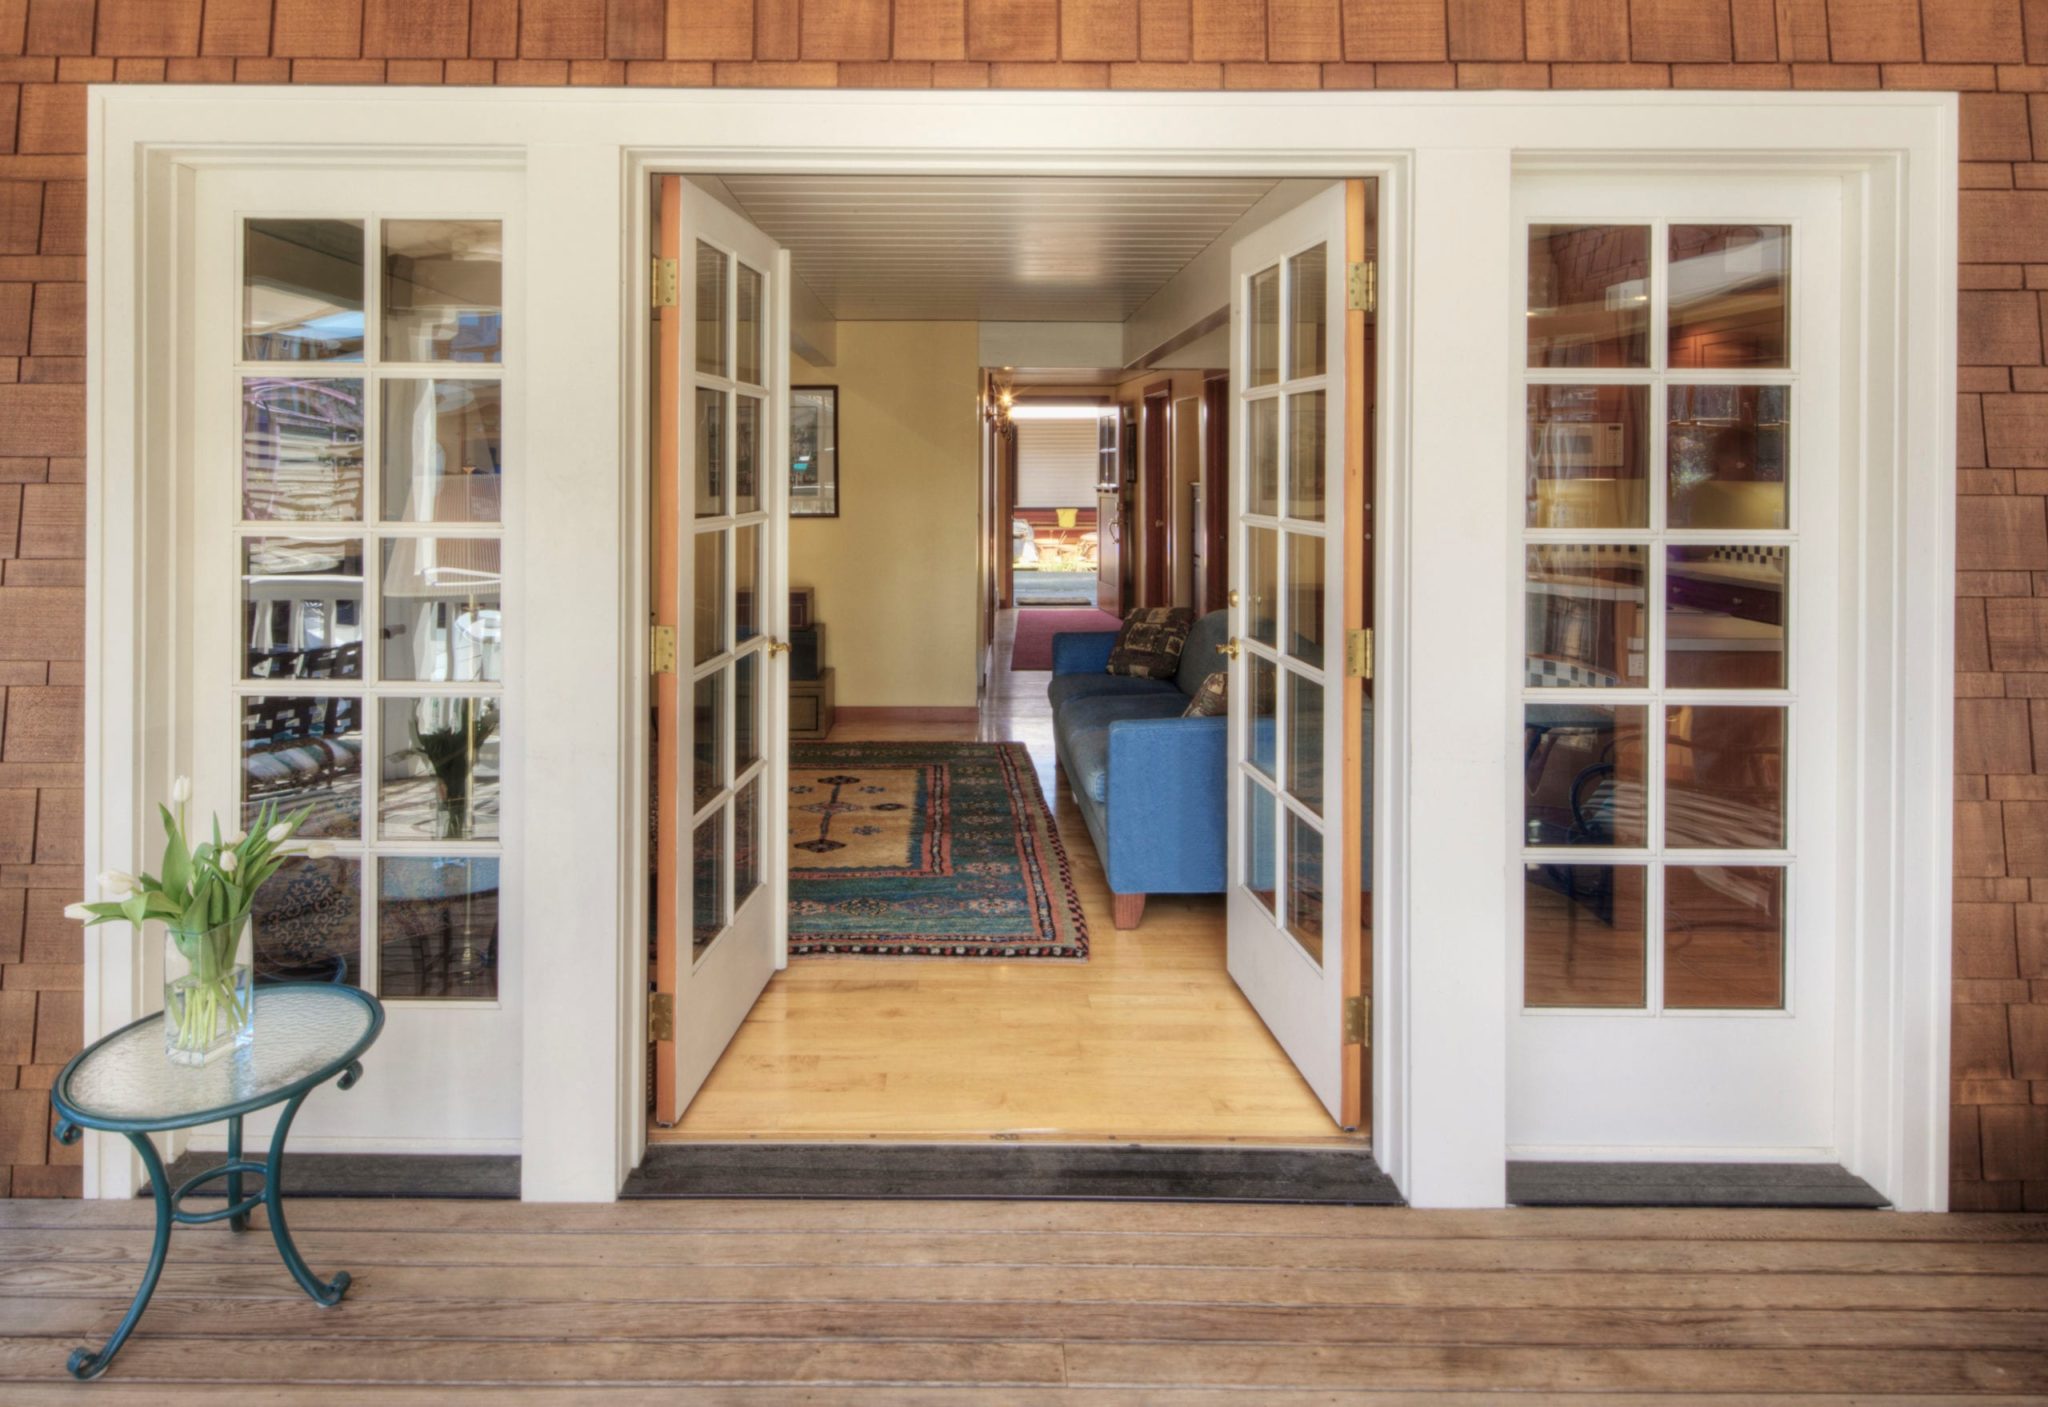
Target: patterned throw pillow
<point x="1212" y="699"/>
<point x="1149" y="644"/>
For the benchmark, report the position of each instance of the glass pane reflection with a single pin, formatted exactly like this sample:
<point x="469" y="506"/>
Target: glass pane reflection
<point x="1724" y="937"/>
<point x="1724" y="773"/>
<point x="442" y="451"/>
<point x="1305" y="741"/>
<point x="1588" y="457"/>
<point x="1262" y="580"/>
<point x="1265" y="700"/>
<point x="709" y="604"/>
<point x="1728" y="305"/>
<point x="439" y="775"/>
<point x="746" y="843"/>
<point x="302" y="290"/>
<point x="442" y="616"/>
<point x="1265" y="327"/>
<point x="298" y="752"/>
<point x="302" y="450"/>
<point x="746" y="454"/>
<point x="711" y="267"/>
<point x="1260" y="841"/>
<point x="1308" y="315"/>
<point x="707" y="738"/>
<point x="302" y="608"/>
<point x="746" y="583"/>
<point x="1305" y="601"/>
<point x="707" y="882"/>
<point x="308" y="918"/>
<point x="710" y="453"/>
<point x="1724" y="622"/>
<point x="749" y="327"/>
<point x="1305" y="886"/>
<point x="1584" y="775"/>
<point x="437" y="928"/>
<point x="1585" y="616"/>
<point x="444" y="291"/>
<point x="1727" y="456"/>
<point x="1589" y="295"/>
<point x="1584" y="935"/>
<point x="746" y="719"/>
<point x="1306" y="456"/>
<point x="1263" y="426"/>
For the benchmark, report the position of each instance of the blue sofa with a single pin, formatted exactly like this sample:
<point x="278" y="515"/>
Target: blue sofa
<point x="1150" y="783"/>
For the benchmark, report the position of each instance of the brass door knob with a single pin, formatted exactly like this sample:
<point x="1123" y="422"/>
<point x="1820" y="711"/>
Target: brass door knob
<point x="1230" y="647"/>
<point x="778" y="647"/>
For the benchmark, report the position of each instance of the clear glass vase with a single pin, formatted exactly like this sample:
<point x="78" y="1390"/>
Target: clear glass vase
<point x="208" y="993"/>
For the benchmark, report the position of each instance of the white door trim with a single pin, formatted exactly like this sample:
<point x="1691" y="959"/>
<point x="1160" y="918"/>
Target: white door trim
<point x="1445" y="162"/>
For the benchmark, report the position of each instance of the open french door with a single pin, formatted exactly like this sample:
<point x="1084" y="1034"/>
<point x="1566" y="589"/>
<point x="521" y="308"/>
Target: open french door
<point x="720" y="605"/>
<point x="1298" y="566"/>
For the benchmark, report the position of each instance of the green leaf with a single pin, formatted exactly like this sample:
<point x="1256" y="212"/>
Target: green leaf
<point x="177" y="859"/>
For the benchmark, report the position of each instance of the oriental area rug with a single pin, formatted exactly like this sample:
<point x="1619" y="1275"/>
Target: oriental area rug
<point x="926" y="850"/>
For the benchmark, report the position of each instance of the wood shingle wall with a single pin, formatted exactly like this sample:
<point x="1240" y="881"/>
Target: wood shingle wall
<point x="1993" y="51"/>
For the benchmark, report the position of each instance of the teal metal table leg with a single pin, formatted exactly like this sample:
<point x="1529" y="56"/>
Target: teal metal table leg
<point x="328" y="1292"/>
<point x="84" y="1362"/>
<point x="239" y="1222"/>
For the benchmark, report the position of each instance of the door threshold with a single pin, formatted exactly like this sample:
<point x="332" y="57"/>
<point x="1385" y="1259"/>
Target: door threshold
<point x="1795" y="1185"/>
<point x="1017" y="1171"/>
<point x="451" y="1176"/>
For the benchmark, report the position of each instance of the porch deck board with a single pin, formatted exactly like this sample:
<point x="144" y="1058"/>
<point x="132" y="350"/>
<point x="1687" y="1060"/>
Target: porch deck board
<point x="750" y="1302"/>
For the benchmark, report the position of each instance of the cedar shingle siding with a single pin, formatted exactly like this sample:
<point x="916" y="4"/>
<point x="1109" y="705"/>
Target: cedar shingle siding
<point x="1994" y="51"/>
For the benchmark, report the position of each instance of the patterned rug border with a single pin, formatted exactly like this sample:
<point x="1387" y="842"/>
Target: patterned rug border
<point x="1039" y="846"/>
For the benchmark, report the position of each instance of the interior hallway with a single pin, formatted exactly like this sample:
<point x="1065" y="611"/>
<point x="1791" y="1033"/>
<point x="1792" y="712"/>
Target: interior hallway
<point x="1148" y="1040"/>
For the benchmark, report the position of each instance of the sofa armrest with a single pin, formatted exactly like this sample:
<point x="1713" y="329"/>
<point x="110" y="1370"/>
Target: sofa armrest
<point x="1168" y="808"/>
<point x="1082" y="652"/>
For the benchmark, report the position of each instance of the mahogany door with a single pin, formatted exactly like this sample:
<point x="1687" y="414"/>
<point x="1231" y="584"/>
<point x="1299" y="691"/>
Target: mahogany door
<point x="1155" y="503"/>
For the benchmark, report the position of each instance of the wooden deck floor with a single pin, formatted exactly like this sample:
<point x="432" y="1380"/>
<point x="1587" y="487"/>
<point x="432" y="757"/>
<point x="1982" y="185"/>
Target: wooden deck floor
<point x="822" y="1302"/>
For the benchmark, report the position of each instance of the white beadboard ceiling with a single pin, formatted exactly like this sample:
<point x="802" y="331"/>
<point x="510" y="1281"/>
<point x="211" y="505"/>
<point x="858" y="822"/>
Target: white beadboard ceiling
<point x="988" y="248"/>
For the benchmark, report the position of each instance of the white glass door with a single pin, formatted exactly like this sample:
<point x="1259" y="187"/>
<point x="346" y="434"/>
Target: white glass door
<point x="1680" y="709"/>
<point x="1293" y="915"/>
<point x="722" y="528"/>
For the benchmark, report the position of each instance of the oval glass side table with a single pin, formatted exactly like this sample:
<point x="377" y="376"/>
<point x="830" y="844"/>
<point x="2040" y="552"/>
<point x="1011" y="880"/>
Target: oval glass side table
<point x="307" y="1033"/>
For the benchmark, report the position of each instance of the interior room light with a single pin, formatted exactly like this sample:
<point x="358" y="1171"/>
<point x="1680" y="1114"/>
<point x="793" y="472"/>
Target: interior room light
<point x="1059" y="410"/>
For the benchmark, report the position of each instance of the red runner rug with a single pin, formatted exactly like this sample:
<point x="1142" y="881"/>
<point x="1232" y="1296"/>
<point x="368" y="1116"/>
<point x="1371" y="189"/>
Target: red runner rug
<point x="1037" y="626"/>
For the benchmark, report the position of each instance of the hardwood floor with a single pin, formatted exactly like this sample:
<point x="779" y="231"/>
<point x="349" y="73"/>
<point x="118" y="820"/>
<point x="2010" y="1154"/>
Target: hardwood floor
<point x="1148" y="1040"/>
<point x="1028" y="1303"/>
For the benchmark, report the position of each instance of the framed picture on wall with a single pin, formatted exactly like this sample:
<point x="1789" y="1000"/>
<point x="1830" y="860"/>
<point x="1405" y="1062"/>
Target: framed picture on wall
<point x="814" y="451"/>
<point x="800" y="609"/>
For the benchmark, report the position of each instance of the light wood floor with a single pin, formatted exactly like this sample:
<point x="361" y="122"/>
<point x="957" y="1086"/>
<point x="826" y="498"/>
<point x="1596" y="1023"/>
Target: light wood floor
<point x="1147" y="1040"/>
<point x="1030" y="1303"/>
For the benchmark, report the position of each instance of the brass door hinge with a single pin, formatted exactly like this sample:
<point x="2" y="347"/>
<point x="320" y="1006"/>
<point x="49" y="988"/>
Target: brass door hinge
<point x="664" y="283"/>
<point x="1358" y="1021"/>
<point x="1362" y="286"/>
<point x="1358" y="653"/>
<point x="661" y="650"/>
<point x="661" y="1017"/>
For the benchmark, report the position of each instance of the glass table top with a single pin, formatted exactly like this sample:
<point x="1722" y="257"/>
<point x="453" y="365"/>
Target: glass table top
<point x="299" y="1031"/>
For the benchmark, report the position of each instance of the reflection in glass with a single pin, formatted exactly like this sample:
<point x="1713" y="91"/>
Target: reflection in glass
<point x="1305" y="456"/>
<point x="1727" y="454"/>
<point x="1264" y="683"/>
<point x="302" y="608"/>
<point x="439" y="777"/>
<point x="1585" y="616"/>
<point x="1724" y="777"/>
<point x="444" y="291"/>
<point x="1305" y="598"/>
<point x="709" y="605"/>
<point x="1260" y="841"/>
<point x="707" y="738"/>
<point x="748" y="327"/>
<point x="1728" y="305"/>
<point x="746" y="843"/>
<point x="1588" y="457"/>
<point x="442" y="451"/>
<point x="1305" y="885"/>
<point x="437" y="928"/>
<point x="1305" y="741"/>
<point x="442" y="619"/>
<point x="306" y="918"/>
<point x="1308" y="313"/>
<point x="302" y="450"/>
<point x="1583" y="935"/>
<point x="1589" y="295"/>
<point x="1265" y="316"/>
<point x="710" y="453"/>
<point x="746" y="583"/>
<point x="299" y="752"/>
<point x="746" y="453"/>
<point x="1584" y="778"/>
<point x="302" y="290"/>
<point x="1263" y="425"/>
<point x="1724" y="621"/>
<point x="746" y="722"/>
<point x="707" y="883"/>
<point x="1724" y="937"/>
<point x="1262" y="581"/>
<point x="710" y="310"/>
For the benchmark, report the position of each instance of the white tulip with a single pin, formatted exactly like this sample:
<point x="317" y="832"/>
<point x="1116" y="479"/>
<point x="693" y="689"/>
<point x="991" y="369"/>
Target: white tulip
<point x="228" y="860"/>
<point x="119" y="883"/>
<point x="317" y="850"/>
<point x="181" y="790"/>
<point x="278" y="832"/>
<point x="78" y="911"/>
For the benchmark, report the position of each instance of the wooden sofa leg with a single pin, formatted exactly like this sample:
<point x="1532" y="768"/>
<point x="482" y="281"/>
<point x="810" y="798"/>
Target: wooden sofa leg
<point x="1126" y="910"/>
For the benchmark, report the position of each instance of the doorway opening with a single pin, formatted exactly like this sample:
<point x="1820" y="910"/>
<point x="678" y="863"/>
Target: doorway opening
<point x="900" y="418"/>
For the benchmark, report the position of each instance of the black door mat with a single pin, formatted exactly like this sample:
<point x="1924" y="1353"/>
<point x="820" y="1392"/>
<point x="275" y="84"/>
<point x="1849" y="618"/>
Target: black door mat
<point x="1532" y="1184"/>
<point x="456" y="1176"/>
<point x="1018" y="1171"/>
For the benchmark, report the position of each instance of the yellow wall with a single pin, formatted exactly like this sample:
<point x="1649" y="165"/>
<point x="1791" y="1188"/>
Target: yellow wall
<point x="894" y="573"/>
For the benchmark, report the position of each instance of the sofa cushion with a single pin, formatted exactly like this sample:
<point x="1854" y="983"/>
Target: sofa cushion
<point x="1212" y="699"/>
<point x="1083" y="728"/>
<point x="1198" y="658"/>
<point x="1067" y="688"/>
<point x="1149" y="645"/>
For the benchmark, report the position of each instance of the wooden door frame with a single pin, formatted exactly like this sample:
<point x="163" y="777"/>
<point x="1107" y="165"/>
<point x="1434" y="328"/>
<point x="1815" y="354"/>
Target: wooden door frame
<point x="1155" y="472"/>
<point x="1361" y="377"/>
<point x="1215" y="588"/>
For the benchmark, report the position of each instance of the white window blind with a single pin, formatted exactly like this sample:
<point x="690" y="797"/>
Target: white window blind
<point x="1056" y="463"/>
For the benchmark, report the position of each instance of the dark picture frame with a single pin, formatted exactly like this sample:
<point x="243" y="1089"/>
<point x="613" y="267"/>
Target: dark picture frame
<point x="801" y="610"/>
<point x="814" y="451"/>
